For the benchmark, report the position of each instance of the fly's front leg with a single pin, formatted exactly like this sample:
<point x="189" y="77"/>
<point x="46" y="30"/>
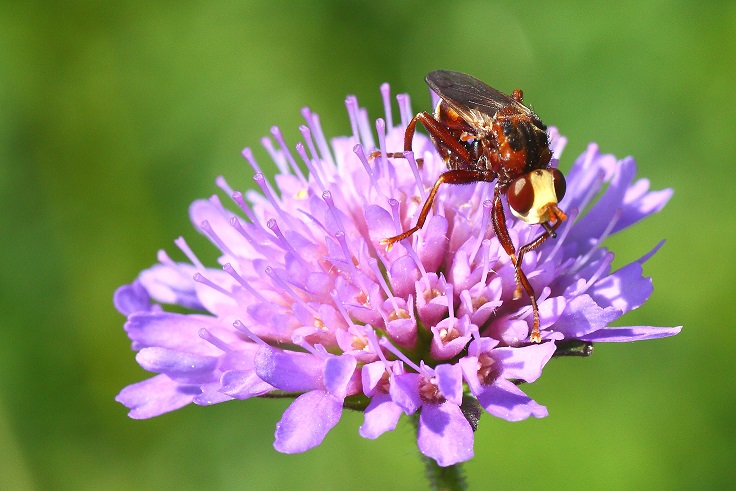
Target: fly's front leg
<point x="499" y="226"/>
<point x="498" y="218"/>
<point x="549" y="231"/>
<point x="445" y="142"/>
<point x="449" y="177"/>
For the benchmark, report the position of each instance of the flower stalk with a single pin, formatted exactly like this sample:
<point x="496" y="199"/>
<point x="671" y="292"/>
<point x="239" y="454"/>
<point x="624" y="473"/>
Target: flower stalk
<point x="448" y="478"/>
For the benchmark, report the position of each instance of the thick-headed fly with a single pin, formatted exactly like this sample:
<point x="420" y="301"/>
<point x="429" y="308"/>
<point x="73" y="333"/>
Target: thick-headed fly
<point x="485" y="135"/>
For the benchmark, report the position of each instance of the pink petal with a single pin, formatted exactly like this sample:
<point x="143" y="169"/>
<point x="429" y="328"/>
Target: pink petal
<point x="381" y="415"/>
<point x="156" y="396"/>
<point x="444" y="434"/>
<point x="628" y="334"/>
<point x="306" y="421"/>
<point x="505" y="400"/>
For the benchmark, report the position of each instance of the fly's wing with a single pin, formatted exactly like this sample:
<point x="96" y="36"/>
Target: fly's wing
<point x="468" y="95"/>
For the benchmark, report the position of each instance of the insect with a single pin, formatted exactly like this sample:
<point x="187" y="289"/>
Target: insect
<point x="484" y="135"/>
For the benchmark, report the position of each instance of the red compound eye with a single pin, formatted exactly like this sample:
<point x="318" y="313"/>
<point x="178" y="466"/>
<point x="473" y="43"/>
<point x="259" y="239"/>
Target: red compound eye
<point x="560" y="184"/>
<point x="521" y="195"/>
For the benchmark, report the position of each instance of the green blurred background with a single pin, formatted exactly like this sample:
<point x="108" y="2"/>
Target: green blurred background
<point x="115" y="116"/>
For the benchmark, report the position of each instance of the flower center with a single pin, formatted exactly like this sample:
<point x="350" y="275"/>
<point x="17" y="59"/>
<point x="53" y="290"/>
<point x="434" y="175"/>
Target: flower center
<point x="478" y="302"/>
<point x="359" y="344"/>
<point x="448" y="334"/>
<point x="398" y="314"/>
<point x="432" y="293"/>
<point x="429" y="392"/>
<point x="363" y="299"/>
<point x="488" y="369"/>
<point x="383" y="385"/>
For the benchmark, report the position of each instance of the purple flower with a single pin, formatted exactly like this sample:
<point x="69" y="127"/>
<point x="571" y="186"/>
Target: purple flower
<point x="307" y="303"/>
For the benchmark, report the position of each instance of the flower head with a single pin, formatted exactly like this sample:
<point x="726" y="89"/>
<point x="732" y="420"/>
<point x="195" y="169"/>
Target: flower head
<point x="308" y="303"/>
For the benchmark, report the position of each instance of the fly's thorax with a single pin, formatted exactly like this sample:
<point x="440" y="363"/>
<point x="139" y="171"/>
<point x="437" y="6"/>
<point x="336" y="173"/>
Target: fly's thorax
<point x="522" y="144"/>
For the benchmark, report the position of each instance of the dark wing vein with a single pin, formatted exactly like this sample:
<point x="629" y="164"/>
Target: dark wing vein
<point x="465" y="93"/>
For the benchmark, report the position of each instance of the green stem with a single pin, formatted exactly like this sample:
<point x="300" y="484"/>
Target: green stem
<point x="448" y="478"/>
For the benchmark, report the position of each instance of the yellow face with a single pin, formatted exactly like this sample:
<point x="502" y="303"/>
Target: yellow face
<point x="533" y="197"/>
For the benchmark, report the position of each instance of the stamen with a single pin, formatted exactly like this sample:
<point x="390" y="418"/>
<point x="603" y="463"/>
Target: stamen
<point x="423" y="370"/>
<point x="164" y="258"/>
<point x="404" y="109"/>
<point x="247" y="153"/>
<point x="488" y="369"/>
<point x="314" y="156"/>
<point x="237" y="197"/>
<point x="386" y="96"/>
<point x="287" y="289"/>
<point x="241" y="327"/>
<point x="254" y="221"/>
<point x="394" y="204"/>
<point x="417" y="177"/>
<point x="359" y="341"/>
<point x="257" y="246"/>
<point x="307" y="135"/>
<point x="228" y="268"/>
<point x="384" y="317"/>
<point x="605" y="263"/>
<point x="365" y="128"/>
<point x="299" y="340"/>
<point x="381" y="131"/>
<point x="199" y="278"/>
<point x="327" y="196"/>
<point x="283" y="242"/>
<point x="184" y="247"/>
<point x="413" y="254"/>
<point x="341" y="307"/>
<point x="486" y="261"/>
<point x="277" y="157"/>
<point x="217" y="204"/>
<point x="583" y="260"/>
<point x="307" y="161"/>
<point x="375" y="345"/>
<point x="214" y="340"/>
<point x="349" y="259"/>
<point x="382" y="281"/>
<point x="594" y="188"/>
<point x="279" y="137"/>
<point x="222" y="184"/>
<point x="449" y="293"/>
<point x="351" y="103"/>
<point x="406" y="242"/>
<point x="358" y="150"/>
<point x="266" y="188"/>
<point x="312" y="120"/>
<point x="566" y="227"/>
<point x="483" y="228"/>
<point x="208" y="230"/>
<point x="649" y="254"/>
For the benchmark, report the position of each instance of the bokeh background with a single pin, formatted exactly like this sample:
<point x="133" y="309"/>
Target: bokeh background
<point x="114" y="116"/>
